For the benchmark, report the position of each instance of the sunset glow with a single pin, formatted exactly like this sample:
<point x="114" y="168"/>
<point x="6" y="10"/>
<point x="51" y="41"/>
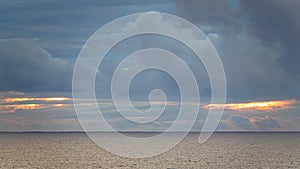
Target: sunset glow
<point x="254" y="106"/>
<point x="13" y="108"/>
<point x="51" y="99"/>
<point x="9" y="105"/>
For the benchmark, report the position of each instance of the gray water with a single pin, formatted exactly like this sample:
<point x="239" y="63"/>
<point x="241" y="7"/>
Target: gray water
<point x="223" y="150"/>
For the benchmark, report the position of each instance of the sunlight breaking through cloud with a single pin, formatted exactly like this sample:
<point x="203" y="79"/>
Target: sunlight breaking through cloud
<point x="10" y="105"/>
<point x="254" y="106"/>
<point x="51" y="99"/>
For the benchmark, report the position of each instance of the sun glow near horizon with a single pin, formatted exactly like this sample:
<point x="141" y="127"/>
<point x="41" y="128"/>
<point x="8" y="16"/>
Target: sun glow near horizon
<point x="29" y="103"/>
<point x="9" y="105"/>
<point x="254" y="106"/>
<point x="24" y="99"/>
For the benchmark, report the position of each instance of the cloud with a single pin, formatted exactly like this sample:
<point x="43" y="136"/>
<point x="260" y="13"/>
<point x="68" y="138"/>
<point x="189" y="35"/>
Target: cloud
<point x="7" y="94"/>
<point x="49" y="115"/>
<point x="266" y="123"/>
<point x="259" y="51"/>
<point x="284" y="29"/>
<point x="148" y="80"/>
<point x="12" y="101"/>
<point x="273" y="105"/>
<point x="201" y="10"/>
<point x="61" y="30"/>
<point x="26" y="67"/>
<point x="24" y="99"/>
<point x="27" y="107"/>
<point x="291" y="124"/>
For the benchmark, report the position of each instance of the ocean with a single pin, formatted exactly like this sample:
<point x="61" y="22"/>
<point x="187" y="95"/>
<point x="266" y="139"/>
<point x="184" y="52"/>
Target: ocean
<point x="222" y="150"/>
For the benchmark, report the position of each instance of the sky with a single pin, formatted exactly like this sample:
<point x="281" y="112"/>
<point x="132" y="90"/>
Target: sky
<point x="256" y="40"/>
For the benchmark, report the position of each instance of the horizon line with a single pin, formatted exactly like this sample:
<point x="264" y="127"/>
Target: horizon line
<point x="296" y="131"/>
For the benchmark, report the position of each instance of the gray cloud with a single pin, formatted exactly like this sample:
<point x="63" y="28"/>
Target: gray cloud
<point x="257" y="42"/>
<point x="26" y="67"/>
<point x="266" y="123"/>
<point x="277" y="22"/>
<point x="254" y="123"/>
<point x="241" y="122"/>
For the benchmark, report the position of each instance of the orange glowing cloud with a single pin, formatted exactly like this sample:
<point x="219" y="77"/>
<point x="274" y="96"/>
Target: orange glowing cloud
<point x="51" y="99"/>
<point x="9" y="105"/>
<point x="15" y="107"/>
<point x="254" y="106"/>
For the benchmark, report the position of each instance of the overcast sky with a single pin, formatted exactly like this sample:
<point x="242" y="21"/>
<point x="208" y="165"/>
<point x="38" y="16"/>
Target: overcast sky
<point x="257" y="41"/>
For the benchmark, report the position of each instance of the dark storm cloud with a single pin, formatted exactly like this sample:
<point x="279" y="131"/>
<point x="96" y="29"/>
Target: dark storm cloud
<point x="277" y="22"/>
<point x="213" y="16"/>
<point x="257" y="42"/>
<point x="201" y="10"/>
<point x="26" y="67"/>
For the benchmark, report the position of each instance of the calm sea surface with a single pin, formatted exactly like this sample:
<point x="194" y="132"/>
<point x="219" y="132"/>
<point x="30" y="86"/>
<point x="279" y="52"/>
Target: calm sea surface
<point x="223" y="150"/>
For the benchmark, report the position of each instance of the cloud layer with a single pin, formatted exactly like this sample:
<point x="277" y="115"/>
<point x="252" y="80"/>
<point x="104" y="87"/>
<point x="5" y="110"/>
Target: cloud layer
<point x="28" y="68"/>
<point x="259" y="50"/>
<point x="258" y="42"/>
<point x="266" y="123"/>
